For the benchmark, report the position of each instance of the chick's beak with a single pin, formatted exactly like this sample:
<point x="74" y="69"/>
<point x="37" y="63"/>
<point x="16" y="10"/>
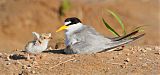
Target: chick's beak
<point x="62" y="28"/>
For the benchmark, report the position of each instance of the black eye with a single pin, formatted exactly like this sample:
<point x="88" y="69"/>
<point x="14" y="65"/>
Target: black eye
<point x="44" y="37"/>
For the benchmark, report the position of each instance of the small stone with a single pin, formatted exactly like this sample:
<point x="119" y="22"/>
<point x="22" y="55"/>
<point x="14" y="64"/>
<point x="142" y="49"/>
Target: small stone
<point x="8" y="63"/>
<point x="16" y="49"/>
<point x="122" y="66"/>
<point x="148" y="48"/>
<point x="24" y="67"/>
<point x="33" y="72"/>
<point x="143" y="50"/>
<point x="34" y="63"/>
<point x="41" y="56"/>
<point x="132" y="52"/>
<point x="125" y="63"/>
<point x="127" y="60"/>
<point x="127" y="54"/>
<point x="29" y="66"/>
<point x="113" y="57"/>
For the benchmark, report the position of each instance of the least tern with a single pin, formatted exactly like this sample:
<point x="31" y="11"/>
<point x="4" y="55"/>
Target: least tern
<point x="83" y="39"/>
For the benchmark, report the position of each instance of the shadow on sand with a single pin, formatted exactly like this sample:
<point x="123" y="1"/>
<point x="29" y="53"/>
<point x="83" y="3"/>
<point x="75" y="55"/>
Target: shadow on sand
<point x="60" y="51"/>
<point x="17" y="57"/>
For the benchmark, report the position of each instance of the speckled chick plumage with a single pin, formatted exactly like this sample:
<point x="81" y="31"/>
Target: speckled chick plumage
<point x="39" y="43"/>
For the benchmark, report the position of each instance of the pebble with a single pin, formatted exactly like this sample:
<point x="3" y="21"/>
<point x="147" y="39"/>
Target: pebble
<point x="8" y="63"/>
<point x="113" y="57"/>
<point x="147" y="48"/>
<point x="41" y="57"/>
<point x="17" y="49"/>
<point x="33" y="72"/>
<point x="34" y="63"/>
<point x="127" y="54"/>
<point x="122" y="66"/>
<point x="132" y="52"/>
<point x="24" y="67"/>
<point x="143" y="50"/>
<point x="125" y="63"/>
<point x="127" y="60"/>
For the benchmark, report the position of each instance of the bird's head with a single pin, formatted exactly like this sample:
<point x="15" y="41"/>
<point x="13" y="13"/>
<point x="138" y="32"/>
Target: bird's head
<point x="71" y="24"/>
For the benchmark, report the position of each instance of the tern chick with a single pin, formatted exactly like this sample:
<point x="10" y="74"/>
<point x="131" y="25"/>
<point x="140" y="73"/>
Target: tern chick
<point x="39" y="43"/>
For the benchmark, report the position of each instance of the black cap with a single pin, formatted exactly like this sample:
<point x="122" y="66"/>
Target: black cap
<point x="73" y="20"/>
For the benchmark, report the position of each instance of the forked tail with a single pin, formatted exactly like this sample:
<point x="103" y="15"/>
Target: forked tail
<point x="120" y="42"/>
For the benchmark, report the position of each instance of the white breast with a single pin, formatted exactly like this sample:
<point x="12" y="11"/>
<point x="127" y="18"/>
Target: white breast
<point x="32" y="48"/>
<point x="70" y="39"/>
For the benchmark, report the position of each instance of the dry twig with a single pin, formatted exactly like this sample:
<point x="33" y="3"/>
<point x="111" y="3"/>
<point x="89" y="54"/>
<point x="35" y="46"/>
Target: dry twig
<point x="62" y="63"/>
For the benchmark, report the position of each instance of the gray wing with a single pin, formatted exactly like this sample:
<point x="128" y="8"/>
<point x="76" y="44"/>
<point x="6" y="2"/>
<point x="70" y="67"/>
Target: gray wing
<point x="89" y="41"/>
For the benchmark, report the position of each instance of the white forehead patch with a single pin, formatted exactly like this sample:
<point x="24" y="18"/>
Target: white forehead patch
<point x="66" y="23"/>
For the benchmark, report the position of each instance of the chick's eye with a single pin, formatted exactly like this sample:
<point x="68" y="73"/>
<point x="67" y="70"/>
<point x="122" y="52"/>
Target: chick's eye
<point x="44" y="37"/>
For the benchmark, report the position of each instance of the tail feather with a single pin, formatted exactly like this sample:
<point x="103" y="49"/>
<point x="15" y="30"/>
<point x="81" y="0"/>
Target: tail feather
<point x="121" y="42"/>
<point x="123" y="37"/>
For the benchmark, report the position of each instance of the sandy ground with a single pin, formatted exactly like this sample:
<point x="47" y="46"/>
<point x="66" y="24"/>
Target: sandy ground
<point x="18" y="18"/>
<point x="129" y="61"/>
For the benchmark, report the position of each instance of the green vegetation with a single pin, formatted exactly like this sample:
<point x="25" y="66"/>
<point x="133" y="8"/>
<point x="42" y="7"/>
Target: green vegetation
<point x="110" y="28"/>
<point x="139" y="28"/>
<point x="65" y="5"/>
<point x="119" y="20"/>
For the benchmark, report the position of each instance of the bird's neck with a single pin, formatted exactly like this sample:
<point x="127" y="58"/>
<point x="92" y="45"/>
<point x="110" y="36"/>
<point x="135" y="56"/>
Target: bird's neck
<point x="43" y="42"/>
<point x="74" y="28"/>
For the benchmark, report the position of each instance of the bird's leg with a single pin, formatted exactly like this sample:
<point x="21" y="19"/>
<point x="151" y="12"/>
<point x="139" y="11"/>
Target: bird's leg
<point x="37" y="56"/>
<point x="28" y="56"/>
<point x="122" y="46"/>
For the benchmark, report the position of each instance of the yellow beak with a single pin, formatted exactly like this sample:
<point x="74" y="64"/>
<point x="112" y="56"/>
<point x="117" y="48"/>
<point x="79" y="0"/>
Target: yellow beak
<point x="62" y="28"/>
